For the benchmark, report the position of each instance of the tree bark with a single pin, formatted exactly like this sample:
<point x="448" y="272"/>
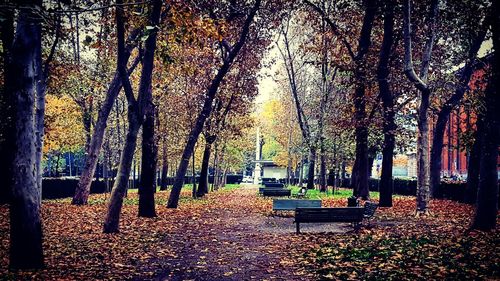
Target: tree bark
<point x="423" y="190"/>
<point x="361" y="132"/>
<point x="112" y="220"/>
<point x="147" y="186"/>
<point x="312" y="164"/>
<point x="322" y="169"/>
<point x="164" y="167"/>
<point x="386" y="181"/>
<point x="136" y="112"/>
<point x="473" y="164"/>
<point x="173" y="199"/>
<point x="487" y="197"/>
<point x="7" y="107"/>
<point x="25" y="219"/>
<point x="203" y="184"/>
<point x="420" y="82"/>
<point x="92" y="154"/>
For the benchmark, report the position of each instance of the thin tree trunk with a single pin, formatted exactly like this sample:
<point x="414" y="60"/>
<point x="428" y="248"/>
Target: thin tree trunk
<point x="420" y="82"/>
<point x="25" y="219"/>
<point x="137" y="109"/>
<point x="164" y="168"/>
<point x="423" y="190"/>
<point x="203" y="185"/>
<point x="173" y="199"/>
<point x="473" y="164"/>
<point x="91" y="156"/>
<point x="147" y="186"/>
<point x="312" y="164"/>
<point x="112" y="220"/>
<point x="322" y="168"/>
<point x="193" y="170"/>
<point x="301" y="171"/>
<point x="386" y="181"/>
<point x="361" y="132"/>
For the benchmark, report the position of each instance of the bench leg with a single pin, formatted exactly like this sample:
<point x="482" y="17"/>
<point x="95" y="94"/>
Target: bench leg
<point x="297" y="228"/>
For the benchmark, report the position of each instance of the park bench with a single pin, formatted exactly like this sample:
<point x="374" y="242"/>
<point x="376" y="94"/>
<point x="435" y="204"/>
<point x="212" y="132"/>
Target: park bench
<point x="318" y="215"/>
<point x="292" y="204"/>
<point x="353" y="215"/>
<point x="276" y="192"/>
<point x="274" y="184"/>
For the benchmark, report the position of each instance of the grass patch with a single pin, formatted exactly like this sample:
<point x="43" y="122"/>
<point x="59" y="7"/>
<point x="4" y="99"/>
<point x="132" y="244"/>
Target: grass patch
<point x="339" y="193"/>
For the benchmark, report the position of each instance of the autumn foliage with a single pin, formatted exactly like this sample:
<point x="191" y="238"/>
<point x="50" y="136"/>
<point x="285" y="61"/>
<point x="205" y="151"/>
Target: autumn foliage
<point x="233" y="235"/>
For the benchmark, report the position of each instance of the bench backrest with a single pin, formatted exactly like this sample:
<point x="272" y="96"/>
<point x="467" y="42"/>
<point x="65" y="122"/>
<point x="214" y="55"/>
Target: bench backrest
<point x="274" y="184"/>
<point x="370" y="209"/>
<point x="276" y="192"/>
<point x="291" y="204"/>
<point x="348" y="214"/>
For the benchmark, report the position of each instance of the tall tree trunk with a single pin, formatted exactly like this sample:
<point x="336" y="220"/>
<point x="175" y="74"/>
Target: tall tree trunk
<point x="361" y="132"/>
<point x="136" y="112"/>
<point x="437" y="150"/>
<point x="173" y="199"/>
<point x="386" y="182"/>
<point x="301" y="171"/>
<point x="203" y="184"/>
<point x="8" y="100"/>
<point x="423" y="190"/>
<point x="487" y="197"/>
<point x="312" y="164"/>
<point x="193" y="172"/>
<point x="473" y="164"/>
<point x="25" y="219"/>
<point x="164" y="167"/>
<point x="92" y="154"/>
<point x="322" y="168"/>
<point x="112" y="220"/>
<point x="147" y="186"/>
<point x="420" y="82"/>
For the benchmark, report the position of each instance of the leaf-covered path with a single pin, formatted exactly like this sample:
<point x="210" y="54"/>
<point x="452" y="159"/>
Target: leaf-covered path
<point x="233" y="239"/>
<point x="232" y="234"/>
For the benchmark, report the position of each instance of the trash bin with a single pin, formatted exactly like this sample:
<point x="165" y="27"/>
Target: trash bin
<point x="352" y="202"/>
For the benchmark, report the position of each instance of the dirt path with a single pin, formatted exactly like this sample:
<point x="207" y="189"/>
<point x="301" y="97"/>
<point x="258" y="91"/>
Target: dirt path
<point x="236" y="239"/>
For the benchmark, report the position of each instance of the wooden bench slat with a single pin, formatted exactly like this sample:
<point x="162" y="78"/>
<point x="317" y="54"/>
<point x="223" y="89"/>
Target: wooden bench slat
<point x="276" y="192"/>
<point x="292" y="204"/>
<point x="315" y="215"/>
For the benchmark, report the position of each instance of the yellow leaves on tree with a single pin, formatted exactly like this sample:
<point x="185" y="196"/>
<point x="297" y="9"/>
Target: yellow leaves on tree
<point x="63" y="125"/>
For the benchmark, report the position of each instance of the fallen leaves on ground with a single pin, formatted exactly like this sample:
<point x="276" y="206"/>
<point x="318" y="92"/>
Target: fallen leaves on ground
<point x="224" y="237"/>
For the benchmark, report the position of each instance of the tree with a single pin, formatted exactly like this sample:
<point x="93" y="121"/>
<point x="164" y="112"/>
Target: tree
<point x="92" y="154"/>
<point x="25" y="219"/>
<point x="487" y="198"/>
<point x="360" y="168"/>
<point x="420" y="82"/>
<point x="450" y="104"/>
<point x="389" y="126"/>
<point x="137" y="110"/>
<point x="173" y="200"/>
<point x="7" y="102"/>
